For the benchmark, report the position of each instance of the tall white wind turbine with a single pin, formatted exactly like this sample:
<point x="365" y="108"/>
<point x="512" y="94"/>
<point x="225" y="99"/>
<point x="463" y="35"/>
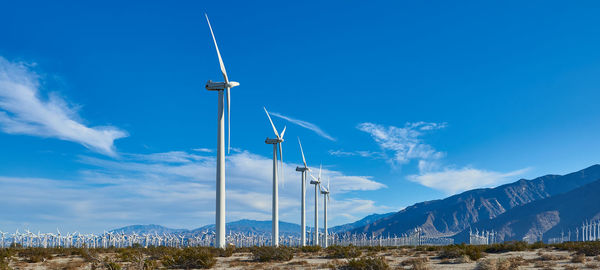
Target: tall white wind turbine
<point x="276" y="144"/>
<point x="325" y="192"/>
<point x="303" y="170"/>
<point x="317" y="183"/>
<point x="221" y="87"/>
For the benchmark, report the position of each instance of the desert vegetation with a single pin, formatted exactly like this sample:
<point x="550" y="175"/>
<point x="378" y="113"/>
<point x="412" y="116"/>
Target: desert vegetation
<point x="509" y="255"/>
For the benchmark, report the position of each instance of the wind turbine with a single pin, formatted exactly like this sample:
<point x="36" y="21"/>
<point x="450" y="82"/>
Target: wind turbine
<point x="317" y="183"/>
<point x="325" y="192"/>
<point x="303" y="214"/>
<point x="276" y="144"/>
<point x="221" y="87"/>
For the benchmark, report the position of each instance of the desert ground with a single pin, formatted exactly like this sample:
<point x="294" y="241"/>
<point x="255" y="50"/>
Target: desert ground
<point x="501" y="257"/>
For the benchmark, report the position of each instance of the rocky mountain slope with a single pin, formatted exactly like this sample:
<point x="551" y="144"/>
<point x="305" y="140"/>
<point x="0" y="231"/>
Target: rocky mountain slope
<point x="547" y="218"/>
<point x="454" y="214"/>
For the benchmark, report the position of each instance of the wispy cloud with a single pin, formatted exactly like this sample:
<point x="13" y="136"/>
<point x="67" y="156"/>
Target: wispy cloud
<point x="204" y="150"/>
<point x="400" y="145"/>
<point x="306" y="125"/>
<point x="404" y="143"/>
<point x="452" y="181"/>
<point x="371" y="154"/>
<point x="23" y="110"/>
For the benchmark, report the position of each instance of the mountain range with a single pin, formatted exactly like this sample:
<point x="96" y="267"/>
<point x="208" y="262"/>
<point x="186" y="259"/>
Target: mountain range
<point x="515" y="210"/>
<point x="246" y="226"/>
<point x="539" y="208"/>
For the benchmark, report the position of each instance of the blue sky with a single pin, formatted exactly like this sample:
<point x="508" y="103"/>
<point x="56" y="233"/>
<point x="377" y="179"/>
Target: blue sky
<point x="105" y="121"/>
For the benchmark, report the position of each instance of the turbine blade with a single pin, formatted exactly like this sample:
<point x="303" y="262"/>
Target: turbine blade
<point x="283" y="132"/>
<point x="272" y="125"/>
<point x="314" y="178"/>
<point x="218" y="53"/>
<point x="302" y="151"/>
<point x="228" y="121"/>
<point x="320" y="167"/>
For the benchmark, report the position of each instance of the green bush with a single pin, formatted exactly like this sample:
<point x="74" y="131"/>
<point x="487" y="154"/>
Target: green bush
<point x="310" y="249"/>
<point x="268" y="254"/>
<point x="343" y="252"/>
<point x="372" y="263"/>
<point x="188" y="258"/>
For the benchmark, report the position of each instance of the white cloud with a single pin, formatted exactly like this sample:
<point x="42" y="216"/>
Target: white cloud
<point x="452" y="181"/>
<point x="23" y="110"/>
<point x="404" y="144"/>
<point x="306" y="125"/>
<point x="175" y="189"/>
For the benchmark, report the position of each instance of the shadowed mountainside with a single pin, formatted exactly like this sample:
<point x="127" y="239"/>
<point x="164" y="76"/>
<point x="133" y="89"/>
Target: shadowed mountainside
<point x="546" y="218"/>
<point x="454" y="214"/>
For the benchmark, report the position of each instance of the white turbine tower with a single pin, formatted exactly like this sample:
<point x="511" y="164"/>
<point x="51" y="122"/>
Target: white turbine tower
<point x="221" y="87"/>
<point x="317" y="183"/>
<point x="304" y="170"/>
<point x="325" y="192"/>
<point x="276" y="144"/>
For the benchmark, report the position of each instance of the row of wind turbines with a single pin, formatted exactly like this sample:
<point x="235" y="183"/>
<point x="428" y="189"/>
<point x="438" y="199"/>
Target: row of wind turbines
<point x="220" y="240"/>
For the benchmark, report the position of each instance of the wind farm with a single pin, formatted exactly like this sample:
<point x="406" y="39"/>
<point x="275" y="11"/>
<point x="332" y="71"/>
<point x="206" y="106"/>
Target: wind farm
<point x="447" y="135"/>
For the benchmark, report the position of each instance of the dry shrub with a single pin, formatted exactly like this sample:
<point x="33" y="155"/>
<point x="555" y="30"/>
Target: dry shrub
<point x="35" y="255"/>
<point x="592" y="266"/>
<point x="239" y="262"/>
<point x="412" y="261"/>
<point x="419" y="263"/>
<point x="343" y="252"/>
<point x="501" y="264"/>
<point x="310" y="249"/>
<point x="487" y="264"/>
<point x="548" y="257"/>
<point x="376" y="263"/>
<point x="578" y="258"/>
<point x="446" y="261"/>
<point x="189" y="258"/>
<point x="544" y="264"/>
<point x="268" y="254"/>
<point x="70" y="265"/>
<point x="459" y="260"/>
<point x="457" y="251"/>
<point x="571" y="267"/>
<point x="333" y="264"/>
<point x="302" y="262"/>
<point x="463" y="259"/>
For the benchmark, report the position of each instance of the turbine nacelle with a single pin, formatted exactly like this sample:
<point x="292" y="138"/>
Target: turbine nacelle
<point x="273" y="141"/>
<point x="218" y="86"/>
<point x="302" y="169"/>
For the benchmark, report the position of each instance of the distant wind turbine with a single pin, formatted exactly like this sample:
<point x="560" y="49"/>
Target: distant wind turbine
<point x="325" y="192"/>
<point x="276" y="144"/>
<point x="304" y="170"/>
<point x="317" y="183"/>
<point x="220" y="87"/>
